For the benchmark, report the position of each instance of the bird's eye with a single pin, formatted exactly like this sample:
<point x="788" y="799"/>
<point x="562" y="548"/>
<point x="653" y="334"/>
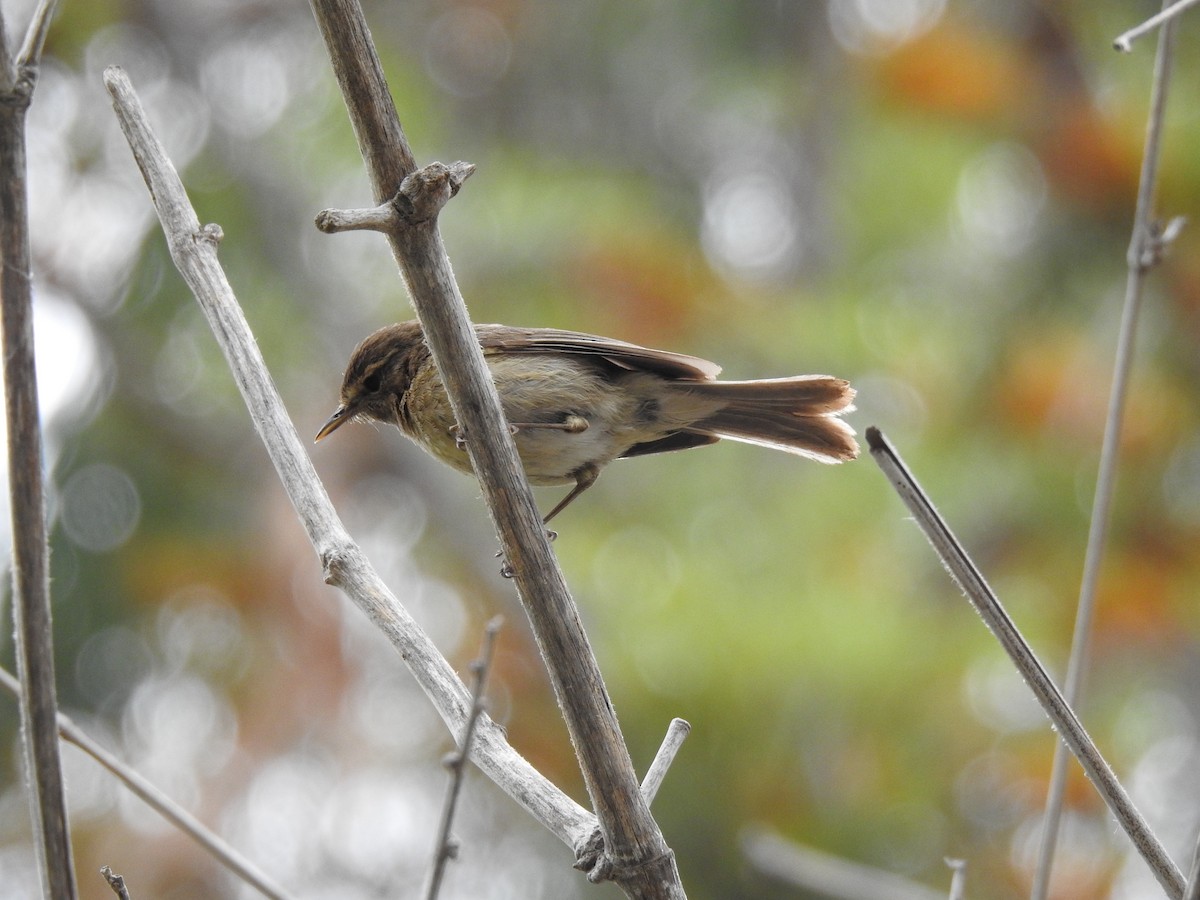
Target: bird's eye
<point x="373" y="381"/>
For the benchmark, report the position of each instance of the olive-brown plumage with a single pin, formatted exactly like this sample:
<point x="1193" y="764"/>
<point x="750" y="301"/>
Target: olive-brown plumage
<point x="577" y="401"/>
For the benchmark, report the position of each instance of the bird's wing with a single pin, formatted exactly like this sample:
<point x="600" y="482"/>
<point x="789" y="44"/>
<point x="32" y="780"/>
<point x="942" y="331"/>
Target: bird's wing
<point x="506" y="339"/>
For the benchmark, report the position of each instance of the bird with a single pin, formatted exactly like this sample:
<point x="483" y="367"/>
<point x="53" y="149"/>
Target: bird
<point x="575" y="402"/>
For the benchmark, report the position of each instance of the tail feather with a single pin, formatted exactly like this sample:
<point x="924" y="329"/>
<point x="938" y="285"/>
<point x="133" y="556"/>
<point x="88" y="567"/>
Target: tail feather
<point x="797" y="415"/>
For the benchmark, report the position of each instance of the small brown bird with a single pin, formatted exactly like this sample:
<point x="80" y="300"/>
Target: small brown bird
<point x="576" y="402"/>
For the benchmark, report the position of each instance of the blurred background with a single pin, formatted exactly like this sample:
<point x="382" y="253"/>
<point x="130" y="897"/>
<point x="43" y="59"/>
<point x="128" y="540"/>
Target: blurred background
<point x="932" y="198"/>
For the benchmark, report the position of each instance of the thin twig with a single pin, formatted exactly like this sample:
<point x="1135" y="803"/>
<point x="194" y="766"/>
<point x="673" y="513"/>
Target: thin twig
<point x="116" y="882"/>
<point x="1145" y="249"/>
<point x="677" y="733"/>
<point x="1124" y="42"/>
<point x="35" y="35"/>
<point x="1192" y="891"/>
<point x="456" y="762"/>
<point x="31" y="582"/>
<point x="194" y="252"/>
<point x="8" y="71"/>
<point x="636" y="855"/>
<point x="958" y="880"/>
<point x="826" y="875"/>
<point x="149" y="794"/>
<point x="977" y="590"/>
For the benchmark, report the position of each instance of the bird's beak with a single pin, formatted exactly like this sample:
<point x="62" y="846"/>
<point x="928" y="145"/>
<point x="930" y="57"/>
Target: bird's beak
<point x="340" y="416"/>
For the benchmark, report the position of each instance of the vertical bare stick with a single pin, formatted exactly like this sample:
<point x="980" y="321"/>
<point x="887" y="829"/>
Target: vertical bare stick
<point x="447" y="848"/>
<point x="963" y="570"/>
<point x="635" y="854"/>
<point x="958" y="881"/>
<point x="31" y="589"/>
<point x="1145" y="249"/>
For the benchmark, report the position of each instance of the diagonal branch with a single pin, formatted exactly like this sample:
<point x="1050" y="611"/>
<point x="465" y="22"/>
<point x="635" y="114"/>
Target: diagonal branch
<point x="637" y="856"/>
<point x="821" y="874"/>
<point x="963" y="570"/>
<point x="158" y="801"/>
<point x="194" y="252"/>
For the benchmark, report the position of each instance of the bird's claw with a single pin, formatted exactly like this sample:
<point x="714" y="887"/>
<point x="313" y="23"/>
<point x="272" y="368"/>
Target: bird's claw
<point x="506" y="568"/>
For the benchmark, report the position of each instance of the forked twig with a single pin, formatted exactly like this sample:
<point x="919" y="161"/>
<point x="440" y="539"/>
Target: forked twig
<point x="963" y="570"/>
<point x="456" y="762"/>
<point x="1124" y="42"/>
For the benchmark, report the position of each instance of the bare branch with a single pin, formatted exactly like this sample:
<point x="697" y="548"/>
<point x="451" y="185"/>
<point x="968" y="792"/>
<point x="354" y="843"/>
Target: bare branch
<point x="31" y="591"/>
<point x="1124" y="42"/>
<point x="677" y="733"/>
<point x="346" y="566"/>
<point x="383" y="218"/>
<point x="447" y="847"/>
<point x="958" y="881"/>
<point x="8" y="72"/>
<point x="977" y="590"/>
<point x="824" y="874"/>
<point x="35" y="36"/>
<point x="431" y="187"/>
<point x="1192" y="891"/>
<point x="149" y="794"/>
<point x="1146" y="247"/>
<point x="116" y="882"/>
<point x="638" y="857"/>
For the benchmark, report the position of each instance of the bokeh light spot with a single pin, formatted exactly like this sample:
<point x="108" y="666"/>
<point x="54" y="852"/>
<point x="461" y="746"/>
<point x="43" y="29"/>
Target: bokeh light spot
<point x="467" y="51"/>
<point x="100" y="508"/>
<point x="751" y="224"/>
<point x="877" y="26"/>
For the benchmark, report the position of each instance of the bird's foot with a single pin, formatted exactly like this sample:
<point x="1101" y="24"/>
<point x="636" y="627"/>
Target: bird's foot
<point x="506" y="568"/>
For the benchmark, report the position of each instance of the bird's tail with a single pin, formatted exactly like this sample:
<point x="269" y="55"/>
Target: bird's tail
<point x="797" y="415"/>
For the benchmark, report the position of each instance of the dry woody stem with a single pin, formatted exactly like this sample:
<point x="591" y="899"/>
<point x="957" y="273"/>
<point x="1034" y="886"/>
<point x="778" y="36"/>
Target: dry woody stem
<point x="142" y="788"/>
<point x="636" y="856"/>
<point x="1146" y="246"/>
<point x="194" y="250"/>
<point x="677" y="733"/>
<point x="977" y="590"/>
<point x="31" y="588"/>
<point x="456" y="762"/>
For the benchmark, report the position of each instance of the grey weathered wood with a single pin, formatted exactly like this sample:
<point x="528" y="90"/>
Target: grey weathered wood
<point x="31" y="583"/>
<point x="194" y="251"/>
<point x="635" y="854"/>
